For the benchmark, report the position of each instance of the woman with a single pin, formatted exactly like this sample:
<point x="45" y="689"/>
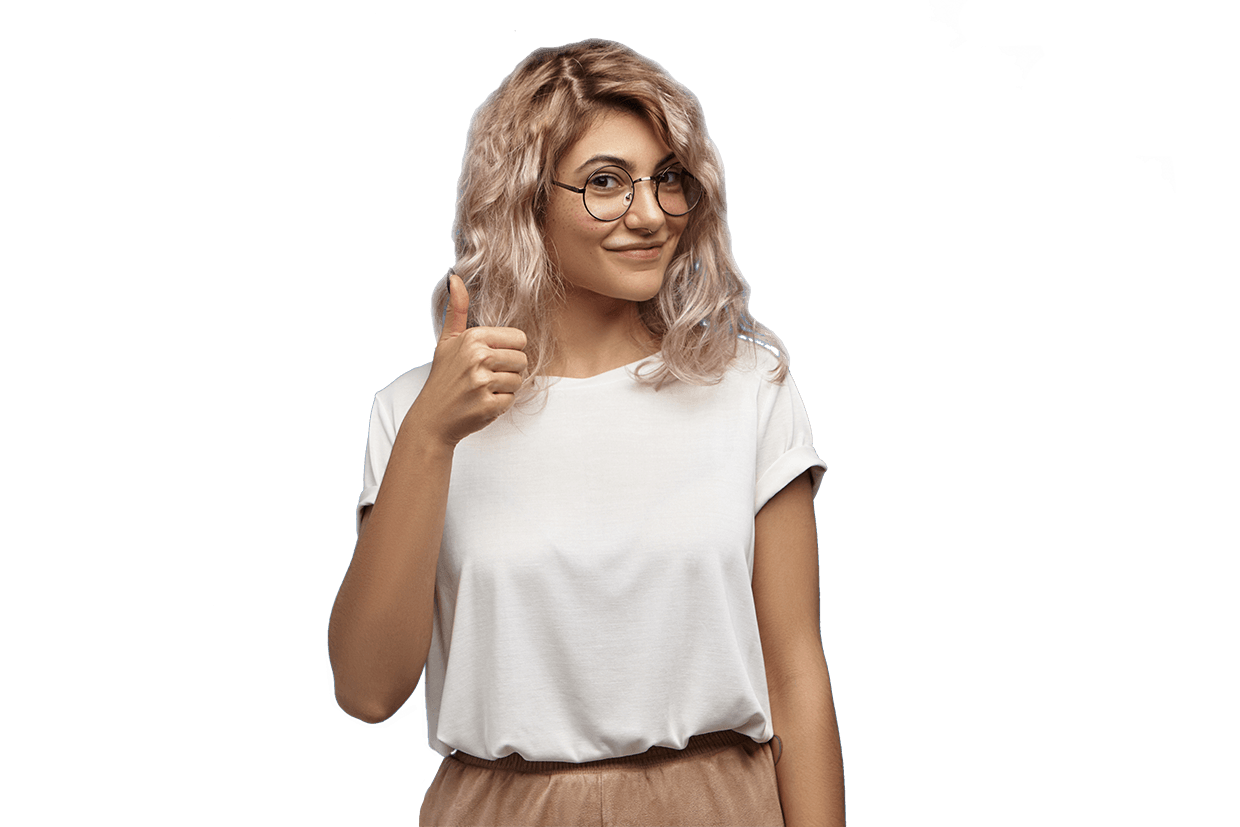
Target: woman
<point x="614" y="591"/>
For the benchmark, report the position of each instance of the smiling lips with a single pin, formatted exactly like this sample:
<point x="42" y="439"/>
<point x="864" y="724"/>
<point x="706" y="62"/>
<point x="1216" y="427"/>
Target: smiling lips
<point x="640" y="253"/>
<point x="633" y="247"/>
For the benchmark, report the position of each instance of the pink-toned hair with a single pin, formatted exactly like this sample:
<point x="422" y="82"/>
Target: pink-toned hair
<point x="551" y="99"/>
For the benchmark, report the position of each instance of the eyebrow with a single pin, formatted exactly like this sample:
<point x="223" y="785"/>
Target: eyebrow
<point x="621" y="162"/>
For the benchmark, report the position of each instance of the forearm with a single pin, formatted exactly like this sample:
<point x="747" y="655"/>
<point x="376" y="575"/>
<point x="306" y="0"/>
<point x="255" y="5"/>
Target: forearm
<point x="380" y="628"/>
<point x="811" y="767"/>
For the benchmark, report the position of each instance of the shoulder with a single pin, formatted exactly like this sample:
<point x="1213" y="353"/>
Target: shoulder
<point x="763" y="377"/>
<point x="400" y="393"/>
<point x="753" y="360"/>
<point x="758" y="355"/>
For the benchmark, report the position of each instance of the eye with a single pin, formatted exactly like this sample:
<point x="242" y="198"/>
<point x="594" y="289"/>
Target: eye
<point x="604" y="181"/>
<point x="671" y="177"/>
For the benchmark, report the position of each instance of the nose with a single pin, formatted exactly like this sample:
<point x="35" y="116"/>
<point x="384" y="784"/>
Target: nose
<point x="644" y="213"/>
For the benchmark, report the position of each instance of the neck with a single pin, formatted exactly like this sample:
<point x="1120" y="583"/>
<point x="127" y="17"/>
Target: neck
<point x="597" y="333"/>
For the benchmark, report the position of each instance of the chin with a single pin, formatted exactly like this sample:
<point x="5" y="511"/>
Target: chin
<point x="624" y="284"/>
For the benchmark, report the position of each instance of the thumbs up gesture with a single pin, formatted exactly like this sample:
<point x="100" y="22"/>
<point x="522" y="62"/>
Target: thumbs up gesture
<point x="474" y="377"/>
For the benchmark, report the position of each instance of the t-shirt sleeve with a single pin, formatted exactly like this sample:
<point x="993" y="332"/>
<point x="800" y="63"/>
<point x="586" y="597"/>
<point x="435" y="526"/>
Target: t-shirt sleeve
<point x="785" y="444"/>
<point x="378" y="448"/>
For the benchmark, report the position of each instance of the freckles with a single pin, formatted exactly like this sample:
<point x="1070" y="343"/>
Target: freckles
<point x="587" y="230"/>
<point x="568" y="220"/>
<point x="560" y="223"/>
<point x="581" y="221"/>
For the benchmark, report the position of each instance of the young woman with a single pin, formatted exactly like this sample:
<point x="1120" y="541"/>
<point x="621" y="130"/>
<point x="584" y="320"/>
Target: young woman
<point x="590" y="517"/>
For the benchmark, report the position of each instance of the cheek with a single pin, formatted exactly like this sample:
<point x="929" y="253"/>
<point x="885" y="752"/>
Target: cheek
<point x="677" y="228"/>
<point x="583" y="225"/>
<point x="579" y="229"/>
<point x="573" y="236"/>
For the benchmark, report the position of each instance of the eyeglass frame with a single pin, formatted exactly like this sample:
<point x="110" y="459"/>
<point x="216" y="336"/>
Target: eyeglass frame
<point x="633" y="182"/>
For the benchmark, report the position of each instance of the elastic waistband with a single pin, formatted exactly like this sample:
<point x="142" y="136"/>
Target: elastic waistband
<point x="698" y="745"/>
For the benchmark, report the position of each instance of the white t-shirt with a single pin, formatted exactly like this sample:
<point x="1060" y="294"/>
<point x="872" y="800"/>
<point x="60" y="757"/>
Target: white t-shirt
<point x="594" y="596"/>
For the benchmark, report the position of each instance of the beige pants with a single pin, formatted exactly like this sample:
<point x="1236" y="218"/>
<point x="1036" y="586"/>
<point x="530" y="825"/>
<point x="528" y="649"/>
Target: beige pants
<point x="719" y="778"/>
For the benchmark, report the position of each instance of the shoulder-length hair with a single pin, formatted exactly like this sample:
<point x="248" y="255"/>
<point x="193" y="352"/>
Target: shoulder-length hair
<point x="550" y="100"/>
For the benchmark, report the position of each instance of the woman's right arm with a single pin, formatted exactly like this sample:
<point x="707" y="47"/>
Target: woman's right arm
<point x="380" y="629"/>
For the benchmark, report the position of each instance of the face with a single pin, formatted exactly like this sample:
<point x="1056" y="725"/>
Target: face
<point x="623" y="259"/>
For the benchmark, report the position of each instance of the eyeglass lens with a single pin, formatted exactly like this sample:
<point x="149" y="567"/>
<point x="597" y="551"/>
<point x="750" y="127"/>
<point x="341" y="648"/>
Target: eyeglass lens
<point x="609" y="192"/>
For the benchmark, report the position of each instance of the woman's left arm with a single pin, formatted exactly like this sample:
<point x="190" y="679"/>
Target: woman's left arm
<point x="785" y="591"/>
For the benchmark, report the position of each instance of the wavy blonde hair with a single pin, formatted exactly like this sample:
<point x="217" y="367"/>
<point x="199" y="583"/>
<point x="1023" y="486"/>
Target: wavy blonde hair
<point x="550" y="100"/>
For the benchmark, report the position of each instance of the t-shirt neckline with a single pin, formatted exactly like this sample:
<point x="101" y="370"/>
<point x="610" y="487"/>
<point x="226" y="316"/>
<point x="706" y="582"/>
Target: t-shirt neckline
<point x="606" y="376"/>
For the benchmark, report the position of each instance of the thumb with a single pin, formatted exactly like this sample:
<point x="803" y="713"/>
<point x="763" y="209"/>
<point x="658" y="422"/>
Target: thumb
<point x="456" y="314"/>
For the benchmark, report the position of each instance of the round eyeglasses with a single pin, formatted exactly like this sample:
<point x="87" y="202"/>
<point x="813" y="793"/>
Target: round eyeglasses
<point x="608" y="192"/>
